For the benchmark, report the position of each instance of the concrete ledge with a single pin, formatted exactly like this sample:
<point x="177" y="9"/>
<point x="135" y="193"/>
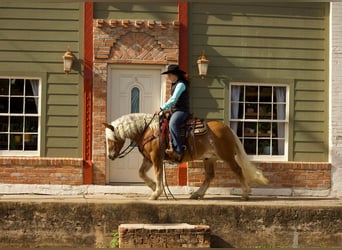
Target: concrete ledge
<point x="142" y="189"/>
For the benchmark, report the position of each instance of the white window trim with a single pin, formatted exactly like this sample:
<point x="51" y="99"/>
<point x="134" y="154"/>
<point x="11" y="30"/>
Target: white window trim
<point x="23" y="152"/>
<point x="272" y="158"/>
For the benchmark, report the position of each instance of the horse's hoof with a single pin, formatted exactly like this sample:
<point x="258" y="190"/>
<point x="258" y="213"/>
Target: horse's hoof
<point x="196" y="197"/>
<point x="245" y="198"/>
<point x="153" y="197"/>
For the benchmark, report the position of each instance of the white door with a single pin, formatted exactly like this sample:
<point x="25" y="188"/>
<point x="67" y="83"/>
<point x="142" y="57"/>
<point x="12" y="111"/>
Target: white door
<point x="131" y="89"/>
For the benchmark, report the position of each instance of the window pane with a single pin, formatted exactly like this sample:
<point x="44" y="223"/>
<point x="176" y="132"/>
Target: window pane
<point x="3" y="123"/>
<point x="264" y="147"/>
<point x="16" y="105"/>
<point x="250" y="146"/>
<point x="279" y="94"/>
<point x="265" y="94"/>
<point x="16" y="124"/>
<point x="265" y="111"/>
<point x="3" y="142"/>
<point x="251" y="93"/>
<point x="31" y="124"/>
<point x="28" y="89"/>
<point x="279" y="111"/>
<point x="16" y="142"/>
<point x="4" y="83"/>
<point x="31" y="105"/>
<point x="135" y="100"/>
<point x="4" y="105"/>
<point x="30" y="142"/>
<point x="17" y="87"/>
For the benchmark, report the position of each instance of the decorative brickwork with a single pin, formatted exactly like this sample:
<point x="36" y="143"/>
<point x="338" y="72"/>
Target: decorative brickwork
<point x="125" y="42"/>
<point x="23" y="170"/>
<point x="164" y="236"/>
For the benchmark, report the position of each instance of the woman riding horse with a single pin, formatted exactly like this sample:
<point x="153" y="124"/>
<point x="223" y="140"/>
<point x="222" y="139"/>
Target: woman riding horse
<point x="179" y="104"/>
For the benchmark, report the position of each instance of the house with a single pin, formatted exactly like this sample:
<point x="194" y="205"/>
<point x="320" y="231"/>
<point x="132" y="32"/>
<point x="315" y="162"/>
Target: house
<point x="272" y="77"/>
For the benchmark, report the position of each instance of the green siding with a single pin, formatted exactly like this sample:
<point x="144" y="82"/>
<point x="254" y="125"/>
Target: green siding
<point x="149" y="11"/>
<point x="33" y="39"/>
<point x="271" y="43"/>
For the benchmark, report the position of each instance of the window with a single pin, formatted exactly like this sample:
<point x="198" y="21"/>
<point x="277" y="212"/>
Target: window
<point x="259" y="116"/>
<point x="19" y="116"/>
<point x="135" y="100"/>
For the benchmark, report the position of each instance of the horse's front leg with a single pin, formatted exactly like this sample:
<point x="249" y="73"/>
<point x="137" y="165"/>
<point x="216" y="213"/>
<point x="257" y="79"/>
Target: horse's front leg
<point x="209" y="175"/>
<point x="145" y="166"/>
<point x="158" y="173"/>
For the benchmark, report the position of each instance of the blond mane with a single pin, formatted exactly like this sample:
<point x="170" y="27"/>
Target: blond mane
<point x="131" y="125"/>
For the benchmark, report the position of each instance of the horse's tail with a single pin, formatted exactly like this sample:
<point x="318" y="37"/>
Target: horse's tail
<point x="249" y="170"/>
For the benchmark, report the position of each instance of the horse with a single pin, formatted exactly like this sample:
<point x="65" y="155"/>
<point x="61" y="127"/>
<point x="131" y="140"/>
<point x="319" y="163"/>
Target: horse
<point x="219" y="143"/>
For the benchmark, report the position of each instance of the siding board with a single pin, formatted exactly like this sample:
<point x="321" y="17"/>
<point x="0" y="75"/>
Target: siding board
<point x="63" y="98"/>
<point x="309" y="126"/>
<point x="152" y="11"/>
<point x="40" y="46"/>
<point x="264" y="52"/>
<point x="29" y="35"/>
<point x="261" y="21"/>
<point x="63" y="110"/>
<point x="257" y="42"/>
<point x="264" y="32"/>
<point x="60" y="121"/>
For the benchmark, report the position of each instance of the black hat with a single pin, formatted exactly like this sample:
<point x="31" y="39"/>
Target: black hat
<point x="173" y="69"/>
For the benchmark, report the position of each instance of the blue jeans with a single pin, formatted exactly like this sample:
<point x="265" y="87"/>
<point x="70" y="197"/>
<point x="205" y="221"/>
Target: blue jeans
<point x="177" y="118"/>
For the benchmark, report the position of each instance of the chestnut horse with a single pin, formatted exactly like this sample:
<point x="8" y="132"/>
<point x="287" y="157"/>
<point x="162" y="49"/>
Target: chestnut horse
<point x="219" y="143"/>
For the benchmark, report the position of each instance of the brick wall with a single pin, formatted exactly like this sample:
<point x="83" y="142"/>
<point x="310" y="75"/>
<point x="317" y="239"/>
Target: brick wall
<point x="336" y="100"/>
<point x="24" y="170"/>
<point x="125" y="42"/>
<point x="300" y="175"/>
<point x="164" y="236"/>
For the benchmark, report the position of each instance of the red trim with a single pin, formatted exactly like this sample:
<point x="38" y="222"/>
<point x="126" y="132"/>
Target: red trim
<point x="88" y="93"/>
<point x="183" y="35"/>
<point x="183" y="174"/>
<point x="183" y="64"/>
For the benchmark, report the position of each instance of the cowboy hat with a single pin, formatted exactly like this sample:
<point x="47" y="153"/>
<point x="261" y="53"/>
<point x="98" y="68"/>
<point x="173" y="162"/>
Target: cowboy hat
<point x="173" y="69"/>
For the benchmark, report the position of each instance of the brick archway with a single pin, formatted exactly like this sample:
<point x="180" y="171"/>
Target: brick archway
<point x="125" y="42"/>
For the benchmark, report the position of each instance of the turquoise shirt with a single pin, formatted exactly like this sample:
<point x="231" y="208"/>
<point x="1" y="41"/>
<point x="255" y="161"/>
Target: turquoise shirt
<point x="176" y="94"/>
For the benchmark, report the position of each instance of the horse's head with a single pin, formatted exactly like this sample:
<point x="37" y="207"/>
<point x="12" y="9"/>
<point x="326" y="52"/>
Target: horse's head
<point x="113" y="145"/>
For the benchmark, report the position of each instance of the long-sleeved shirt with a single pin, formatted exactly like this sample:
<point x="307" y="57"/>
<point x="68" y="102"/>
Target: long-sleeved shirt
<point x="176" y="94"/>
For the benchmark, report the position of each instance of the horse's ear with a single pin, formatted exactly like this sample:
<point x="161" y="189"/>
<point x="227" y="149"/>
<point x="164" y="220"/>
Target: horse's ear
<point x="108" y="126"/>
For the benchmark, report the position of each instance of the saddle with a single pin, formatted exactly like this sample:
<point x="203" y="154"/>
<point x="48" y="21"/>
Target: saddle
<point x="192" y="126"/>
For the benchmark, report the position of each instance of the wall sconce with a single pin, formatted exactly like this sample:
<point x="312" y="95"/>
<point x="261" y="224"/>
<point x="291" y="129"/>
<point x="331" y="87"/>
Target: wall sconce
<point x="68" y="59"/>
<point x="202" y="64"/>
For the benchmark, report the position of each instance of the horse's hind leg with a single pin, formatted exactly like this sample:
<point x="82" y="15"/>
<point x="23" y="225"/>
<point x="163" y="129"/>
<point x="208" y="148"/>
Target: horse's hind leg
<point x="145" y="166"/>
<point x="246" y="190"/>
<point x="209" y="175"/>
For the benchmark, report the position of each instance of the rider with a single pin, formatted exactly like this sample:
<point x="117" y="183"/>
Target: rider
<point x="179" y="104"/>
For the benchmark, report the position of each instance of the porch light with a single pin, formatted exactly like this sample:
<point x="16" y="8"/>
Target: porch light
<point x="202" y="64"/>
<point x="68" y="59"/>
